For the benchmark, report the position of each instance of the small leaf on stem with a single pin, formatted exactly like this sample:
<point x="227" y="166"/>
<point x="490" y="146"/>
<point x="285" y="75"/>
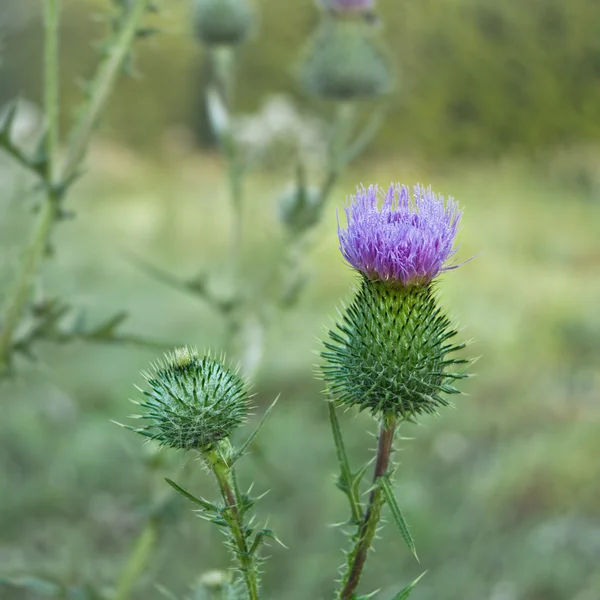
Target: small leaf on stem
<point x="205" y="504"/>
<point x="247" y="443"/>
<point x="405" y="592"/>
<point x="399" y="519"/>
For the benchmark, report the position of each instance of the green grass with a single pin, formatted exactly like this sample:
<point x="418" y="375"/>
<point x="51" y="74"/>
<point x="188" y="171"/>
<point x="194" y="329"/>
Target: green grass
<point x="501" y="492"/>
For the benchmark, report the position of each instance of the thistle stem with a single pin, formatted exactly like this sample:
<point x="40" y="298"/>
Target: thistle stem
<point x="368" y="525"/>
<point x="51" y="83"/>
<point x="137" y="561"/>
<point x="227" y="485"/>
<point x="35" y="252"/>
<point x="56" y="180"/>
<point x="102" y="87"/>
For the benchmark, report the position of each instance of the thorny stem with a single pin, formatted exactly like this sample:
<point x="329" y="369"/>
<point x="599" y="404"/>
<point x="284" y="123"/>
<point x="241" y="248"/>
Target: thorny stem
<point x="49" y="212"/>
<point x="227" y="485"/>
<point x="56" y="181"/>
<point x="102" y="87"/>
<point x="51" y="83"/>
<point x="368" y="525"/>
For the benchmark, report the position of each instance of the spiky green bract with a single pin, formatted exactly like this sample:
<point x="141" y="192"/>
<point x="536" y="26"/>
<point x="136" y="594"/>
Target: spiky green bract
<point x="391" y="352"/>
<point x="193" y="401"/>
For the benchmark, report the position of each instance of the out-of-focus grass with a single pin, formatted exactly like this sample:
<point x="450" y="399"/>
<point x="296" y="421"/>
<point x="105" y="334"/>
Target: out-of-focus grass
<point x="501" y="493"/>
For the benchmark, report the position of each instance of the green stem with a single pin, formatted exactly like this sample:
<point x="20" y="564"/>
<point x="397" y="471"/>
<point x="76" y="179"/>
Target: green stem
<point x="19" y="297"/>
<point x="51" y="86"/>
<point x="223" y="62"/>
<point x="368" y="525"/>
<point x="102" y="87"/>
<point x="54" y="179"/>
<point x="137" y="560"/>
<point x="228" y="487"/>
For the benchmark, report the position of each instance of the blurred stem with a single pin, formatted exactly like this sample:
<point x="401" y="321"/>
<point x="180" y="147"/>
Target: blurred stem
<point x="340" y="137"/>
<point x="137" y="561"/>
<point x="56" y="182"/>
<point x="223" y="61"/>
<point x="19" y="296"/>
<point x="101" y="88"/>
<point x="228" y="486"/>
<point x="51" y="85"/>
<point x="368" y="525"/>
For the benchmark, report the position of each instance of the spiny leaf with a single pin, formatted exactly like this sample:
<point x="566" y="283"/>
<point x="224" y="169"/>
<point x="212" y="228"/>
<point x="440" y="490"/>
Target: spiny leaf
<point x="40" y="585"/>
<point x="199" y="501"/>
<point x="368" y="596"/>
<point x="260" y="537"/>
<point x="8" y="120"/>
<point x="108" y="328"/>
<point x="347" y="482"/>
<point x="247" y="443"/>
<point x="405" y="592"/>
<point x="388" y="493"/>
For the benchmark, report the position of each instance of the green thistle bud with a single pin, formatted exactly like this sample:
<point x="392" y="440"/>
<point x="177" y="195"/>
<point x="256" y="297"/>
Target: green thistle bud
<point x="193" y="402"/>
<point x="391" y="352"/>
<point x="223" y="22"/>
<point x="300" y="206"/>
<point x="300" y="209"/>
<point x="346" y="62"/>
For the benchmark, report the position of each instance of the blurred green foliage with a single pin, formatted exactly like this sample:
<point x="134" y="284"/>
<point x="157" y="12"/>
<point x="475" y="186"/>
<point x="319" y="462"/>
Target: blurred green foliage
<point x="475" y="76"/>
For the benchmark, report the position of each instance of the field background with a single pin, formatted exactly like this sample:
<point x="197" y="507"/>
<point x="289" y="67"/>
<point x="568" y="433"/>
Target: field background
<point x="502" y="492"/>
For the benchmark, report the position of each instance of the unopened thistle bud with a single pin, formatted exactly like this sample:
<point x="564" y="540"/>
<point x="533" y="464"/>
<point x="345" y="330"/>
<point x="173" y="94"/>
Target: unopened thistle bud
<point x="301" y="205"/>
<point x="346" y="62"/>
<point x="392" y="351"/>
<point x="192" y="402"/>
<point x="345" y="7"/>
<point x="223" y="22"/>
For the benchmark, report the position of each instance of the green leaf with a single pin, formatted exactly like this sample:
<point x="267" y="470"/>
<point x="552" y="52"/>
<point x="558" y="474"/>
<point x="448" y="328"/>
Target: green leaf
<point x="388" y="494"/>
<point x="39" y="585"/>
<point x="260" y="537"/>
<point x="346" y="482"/>
<point x="8" y="120"/>
<point x="247" y="443"/>
<point x="199" y="501"/>
<point x="405" y="592"/>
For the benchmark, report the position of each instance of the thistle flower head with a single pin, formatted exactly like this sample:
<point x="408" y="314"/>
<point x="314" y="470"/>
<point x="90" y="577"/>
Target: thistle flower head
<point x="192" y="402"/>
<point x="223" y="22"/>
<point x="405" y="241"/>
<point x="392" y="352"/>
<point x="345" y="61"/>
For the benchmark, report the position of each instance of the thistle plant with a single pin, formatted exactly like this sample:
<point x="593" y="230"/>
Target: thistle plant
<point x="56" y="175"/>
<point x="194" y="403"/>
<point x="392" y="352"/>
<point x="344" y="64"/>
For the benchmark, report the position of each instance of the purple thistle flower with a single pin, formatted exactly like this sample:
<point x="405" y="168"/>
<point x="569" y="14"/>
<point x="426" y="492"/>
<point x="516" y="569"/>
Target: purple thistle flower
<point x="405" y="241"/>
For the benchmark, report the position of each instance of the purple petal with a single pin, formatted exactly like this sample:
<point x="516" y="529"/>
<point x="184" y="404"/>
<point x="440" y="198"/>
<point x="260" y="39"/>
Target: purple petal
<point x="407" y="240"/>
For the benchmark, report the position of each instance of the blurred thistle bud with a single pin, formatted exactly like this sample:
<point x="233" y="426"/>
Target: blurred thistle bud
<point x="216" y="585"/>
<point x="222" y="22"/>
<point x="193" y="402"/>
<point x="345" y="61"/>
<point x="300" y="206"/>
<point x="348" y="7"/>
<point x="392" y="352"/>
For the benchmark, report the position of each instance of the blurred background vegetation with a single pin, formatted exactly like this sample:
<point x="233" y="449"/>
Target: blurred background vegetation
<point x="497" y="104"/>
